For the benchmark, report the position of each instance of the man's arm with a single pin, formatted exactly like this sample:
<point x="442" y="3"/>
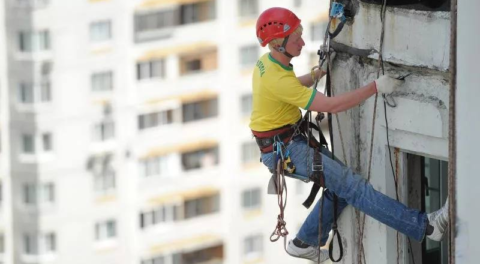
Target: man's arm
<point x="306" y="80"/>
<point x="342" y="102"/>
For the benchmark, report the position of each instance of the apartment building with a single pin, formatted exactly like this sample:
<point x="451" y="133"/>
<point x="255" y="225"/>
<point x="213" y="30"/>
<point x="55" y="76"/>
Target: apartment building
<point x="124" y="132"/>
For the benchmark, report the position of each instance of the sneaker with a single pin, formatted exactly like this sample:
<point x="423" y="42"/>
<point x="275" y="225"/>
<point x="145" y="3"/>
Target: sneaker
<point x="439" y="221"/>
<point x="310" y="252"/>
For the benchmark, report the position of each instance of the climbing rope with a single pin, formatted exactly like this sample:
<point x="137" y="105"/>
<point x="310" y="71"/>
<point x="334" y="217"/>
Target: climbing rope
<point x="361" y="225"/>
<point x="281" y="187"/>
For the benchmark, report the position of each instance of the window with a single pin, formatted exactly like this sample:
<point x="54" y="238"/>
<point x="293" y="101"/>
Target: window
<point x="100" y="31"/>
<point x="2" y="243"/>
<point x="197" y="12"/>
<point x="248" y="8"/>
<point x="102" y="81"/>
<point x="29" y="93"/>
<point x="161" y="214"/>
<point x="246" y="104"/>
<point x="154" y="166"/>
<point x="104" y="182"/>
<point x="30" y="193"/>
<point x="202" y="206"/>
<point x="428" y="190"/>
<point x="154" y="260"/>
<point x="35" y="244"/>
<point x="151" y="69"/>
<point x="193" y="65"/>
<point x="152" y="25"/>
<point x="104" y="131"/>
<point x="250" y="152"/>
<point x="156" y="119"/>
<point x="203" y="61"/>
<point x="251" y="199"/>
<point x="212" y="254"/>
<point x="34" y="41"/>
<point x="25" y="93"/>
<point x="438" y="5"/>
<point x="248" y="55"/>
<point x="28" y="144"/>
<point x="105" y="230"/>
<point x="49" y="243"/>
<point x="200" y="158"/>
<point x="47" y="142"/>
<point x="253" y="245"/>
<point x="200" y="110"/>
<point x="318" y="30"/>
<point x="45" y="91"/>
<point x="48" y="193"/>
<point x="34" y="193"/>
<point x="30" y="244"/>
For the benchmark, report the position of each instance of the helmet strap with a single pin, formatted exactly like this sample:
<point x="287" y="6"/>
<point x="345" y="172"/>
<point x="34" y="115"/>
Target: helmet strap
<point x="283" y="48"/>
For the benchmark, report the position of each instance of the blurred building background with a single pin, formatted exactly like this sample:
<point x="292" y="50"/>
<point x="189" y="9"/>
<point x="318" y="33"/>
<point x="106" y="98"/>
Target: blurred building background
<point x="124" y="132"/>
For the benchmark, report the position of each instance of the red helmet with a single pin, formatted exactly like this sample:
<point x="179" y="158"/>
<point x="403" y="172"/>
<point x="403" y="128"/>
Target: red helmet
<point x="276" y="22"/>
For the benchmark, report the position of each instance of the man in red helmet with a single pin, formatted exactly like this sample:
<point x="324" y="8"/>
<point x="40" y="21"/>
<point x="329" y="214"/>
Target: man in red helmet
<point x="277" y="96"/>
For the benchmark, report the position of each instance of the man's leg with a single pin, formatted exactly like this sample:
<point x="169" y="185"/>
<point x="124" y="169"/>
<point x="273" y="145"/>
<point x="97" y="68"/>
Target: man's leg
<point x="361" y="194"/>
<point x="308" y="233"/>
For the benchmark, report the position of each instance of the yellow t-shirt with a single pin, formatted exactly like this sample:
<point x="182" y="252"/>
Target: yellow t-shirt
<point x="277" y="95"/>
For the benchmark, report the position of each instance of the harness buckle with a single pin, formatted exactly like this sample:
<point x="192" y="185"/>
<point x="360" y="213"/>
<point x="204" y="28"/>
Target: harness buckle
<point x="317" y="167"/>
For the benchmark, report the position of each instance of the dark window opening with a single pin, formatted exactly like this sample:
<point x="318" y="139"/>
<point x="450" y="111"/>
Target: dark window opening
<point x="427" y="190"/>
<point x="200" y="158"/>
<point x="425" y="5"/>
<point x="200" y="110"/>
<point x="206" y="255"/>
<point x="202" y="206"/>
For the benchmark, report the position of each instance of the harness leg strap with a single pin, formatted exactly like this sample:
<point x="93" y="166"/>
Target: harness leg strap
<point x="317" y="177"/>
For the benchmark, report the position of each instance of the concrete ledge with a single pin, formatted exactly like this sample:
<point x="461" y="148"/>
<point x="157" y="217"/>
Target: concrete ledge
<point x="422" y="118"/>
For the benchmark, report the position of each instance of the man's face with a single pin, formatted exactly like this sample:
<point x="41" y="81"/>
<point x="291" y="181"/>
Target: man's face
<point x="295" y="44"/>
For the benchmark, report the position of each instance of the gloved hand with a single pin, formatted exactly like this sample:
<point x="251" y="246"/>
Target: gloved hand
<point x="386" y="84"/>
<point x="332" y="58"/>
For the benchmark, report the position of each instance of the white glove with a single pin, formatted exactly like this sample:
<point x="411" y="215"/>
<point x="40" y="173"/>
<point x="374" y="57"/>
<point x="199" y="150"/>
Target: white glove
<point x="332" y="58"/>
<point x="386" y="84"/>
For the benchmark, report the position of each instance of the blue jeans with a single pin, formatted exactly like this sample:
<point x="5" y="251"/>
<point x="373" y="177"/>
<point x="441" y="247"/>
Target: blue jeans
<point x="351" y="189"/>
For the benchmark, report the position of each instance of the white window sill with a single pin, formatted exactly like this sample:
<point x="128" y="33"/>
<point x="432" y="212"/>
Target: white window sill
<point x="45" y="208"/>
<point x="28" y="158"/>
<point x="108" y="145"/>
<point x="106" y="244"/>
<point x="34" y="55"/>
<point x="101" y="96"/>
<point x="44" y="258"/>
<point x="33" y="107"/>
<point x="36" y="158"/>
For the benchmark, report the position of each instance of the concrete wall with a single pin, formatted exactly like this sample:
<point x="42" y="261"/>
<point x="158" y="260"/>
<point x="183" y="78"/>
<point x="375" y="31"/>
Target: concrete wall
<point x="467" y="129"/>
<point x="415" y="42"/>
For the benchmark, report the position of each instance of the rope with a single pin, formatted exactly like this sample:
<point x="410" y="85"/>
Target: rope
<point x="361" y="253"/>
<point x="280" y="229"/>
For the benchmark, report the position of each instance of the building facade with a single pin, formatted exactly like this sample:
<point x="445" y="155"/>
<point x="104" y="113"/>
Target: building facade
<point x="400" y="143"/>
<point x="124" y="132"/>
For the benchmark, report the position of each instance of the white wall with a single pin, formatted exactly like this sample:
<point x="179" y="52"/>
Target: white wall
<point x="467" y="129"/>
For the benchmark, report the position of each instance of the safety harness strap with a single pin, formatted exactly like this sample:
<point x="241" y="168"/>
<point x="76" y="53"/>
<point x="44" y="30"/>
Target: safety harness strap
<point x="335" y="232"/>
<point x="317" y="177"/>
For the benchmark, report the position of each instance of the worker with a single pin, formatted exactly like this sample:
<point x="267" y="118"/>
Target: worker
<point x="278" y="95"/>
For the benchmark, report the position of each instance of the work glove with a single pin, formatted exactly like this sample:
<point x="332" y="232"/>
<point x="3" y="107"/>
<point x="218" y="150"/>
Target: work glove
<point x="332" y="58"/>
<point x="386" y="84"/>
